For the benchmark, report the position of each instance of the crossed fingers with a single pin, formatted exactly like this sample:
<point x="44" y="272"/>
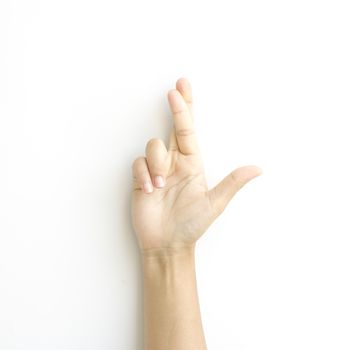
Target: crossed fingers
<point x="151" y="171"/>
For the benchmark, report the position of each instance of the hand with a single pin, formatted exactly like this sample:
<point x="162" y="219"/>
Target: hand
<point x="171" y="204"/>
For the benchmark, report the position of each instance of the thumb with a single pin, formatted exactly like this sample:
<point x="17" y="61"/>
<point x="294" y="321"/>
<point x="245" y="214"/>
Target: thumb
<point x="224" y="191"/>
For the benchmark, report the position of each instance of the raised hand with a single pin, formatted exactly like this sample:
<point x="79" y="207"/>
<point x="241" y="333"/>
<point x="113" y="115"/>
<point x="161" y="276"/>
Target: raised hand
<point x="171" y="204"/>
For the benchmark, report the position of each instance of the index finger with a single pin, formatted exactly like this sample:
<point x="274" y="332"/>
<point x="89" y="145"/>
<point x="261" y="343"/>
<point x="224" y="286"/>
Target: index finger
<point x="183" y="123"/>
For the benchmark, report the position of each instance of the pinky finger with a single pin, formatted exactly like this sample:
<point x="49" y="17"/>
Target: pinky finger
<point x="141" y="175"/>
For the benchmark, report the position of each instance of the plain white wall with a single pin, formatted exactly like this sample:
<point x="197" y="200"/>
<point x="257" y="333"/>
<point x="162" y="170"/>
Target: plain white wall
<point x="83" y="86"/>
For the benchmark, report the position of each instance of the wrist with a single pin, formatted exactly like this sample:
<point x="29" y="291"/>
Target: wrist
<point x="167" y="252"/>
<point x="170" y="258"/>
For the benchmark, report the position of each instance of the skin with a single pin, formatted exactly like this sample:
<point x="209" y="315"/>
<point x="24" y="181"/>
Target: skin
<point x="168" y="218"/>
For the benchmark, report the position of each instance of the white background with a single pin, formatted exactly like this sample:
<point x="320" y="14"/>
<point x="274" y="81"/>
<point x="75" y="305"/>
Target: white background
<point x="83" y="86"/>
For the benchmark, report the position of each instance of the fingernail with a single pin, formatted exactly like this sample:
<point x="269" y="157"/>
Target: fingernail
<point x="147" y="187"/>
<point x="159" y="181"/>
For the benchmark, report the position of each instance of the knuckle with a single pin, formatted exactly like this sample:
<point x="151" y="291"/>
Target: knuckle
<point x="185" y="132"/>
<point x="134" y="162"/>
<point x="141" y="175"/>
<point x="144" y="176"/>
<point x="157" y="170"/>
<point x="220" y="209"/>
<point x="140" y="171"/>
<point x="156" y="166"/>
<point x="235" y="181"/>
<point x="182" y="111"/>
<point x="137" y="163"/>
<point x="216" y="206"/>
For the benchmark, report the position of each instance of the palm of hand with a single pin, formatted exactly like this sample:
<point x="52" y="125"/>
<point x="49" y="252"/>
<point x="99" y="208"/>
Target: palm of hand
<point x="177" y="214"/>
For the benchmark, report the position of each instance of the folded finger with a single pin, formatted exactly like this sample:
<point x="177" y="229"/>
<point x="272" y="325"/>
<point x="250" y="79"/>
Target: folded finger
<point x="141" y="175"/>
<point x="156" y="154"/>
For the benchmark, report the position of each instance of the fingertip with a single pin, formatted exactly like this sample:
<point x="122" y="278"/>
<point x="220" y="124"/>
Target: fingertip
<point x="171" y="94"/>
<point x="246" y="173"/>
<point x="176" y="100"/>
<point x="252" y="169"/>
<point x="259" y="171"/>
<point x="182" y="82"/>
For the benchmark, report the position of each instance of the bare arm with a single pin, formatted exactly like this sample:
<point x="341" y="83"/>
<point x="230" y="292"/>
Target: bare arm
<point x="168" y="217"/>
<point x="172" y="315"/>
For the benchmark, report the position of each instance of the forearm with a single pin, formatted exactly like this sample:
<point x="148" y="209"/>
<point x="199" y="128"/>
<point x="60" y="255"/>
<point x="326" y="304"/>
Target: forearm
<point x="172" y="317"/>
